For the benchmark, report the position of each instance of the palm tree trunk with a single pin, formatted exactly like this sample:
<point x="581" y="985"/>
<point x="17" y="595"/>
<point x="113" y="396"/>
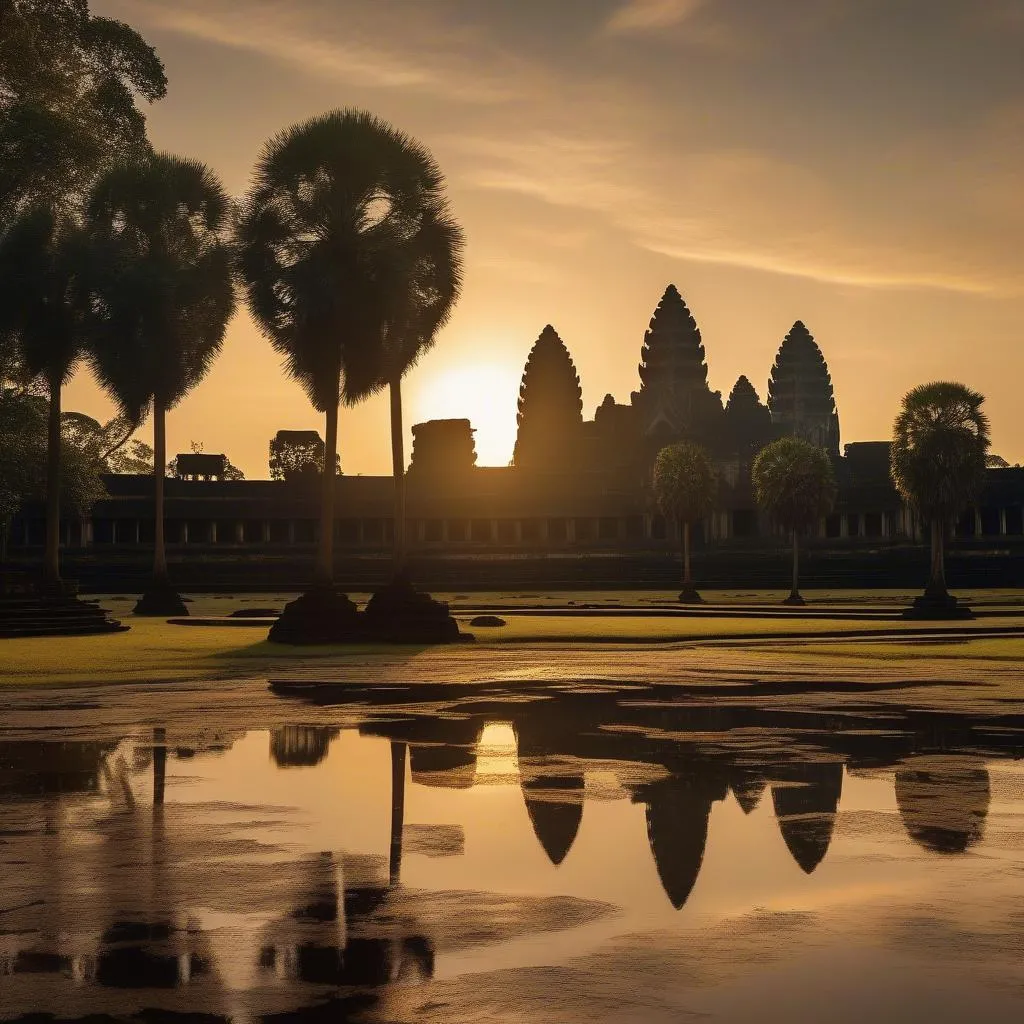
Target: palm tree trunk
<point x="159" y="472"/>
<point x="324" y="575"/>
<point x="687" y="577"/>
<point x="398" y="471"/>
<point x="937" y="582"/>
<point x="794" y="592"/>
<point x="397" y="811"/>
<point x="51" y="556"/>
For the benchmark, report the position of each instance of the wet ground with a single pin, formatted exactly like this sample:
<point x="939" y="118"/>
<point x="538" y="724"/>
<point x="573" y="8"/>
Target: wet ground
<point x="599" y="852"/>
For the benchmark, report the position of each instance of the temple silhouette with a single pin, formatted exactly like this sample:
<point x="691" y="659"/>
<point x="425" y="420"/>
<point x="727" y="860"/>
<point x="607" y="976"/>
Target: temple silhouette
<point x="573" y="485"/>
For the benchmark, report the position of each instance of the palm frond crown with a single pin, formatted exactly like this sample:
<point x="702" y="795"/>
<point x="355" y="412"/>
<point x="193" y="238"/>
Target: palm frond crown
<point x="160" y="287"/>
<point x="346" y="252"/>
<point x="794" y="482"/>
<point x="940" y="441"/>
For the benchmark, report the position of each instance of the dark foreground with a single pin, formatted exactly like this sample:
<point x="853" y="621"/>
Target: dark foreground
<point x="596" y="853"/>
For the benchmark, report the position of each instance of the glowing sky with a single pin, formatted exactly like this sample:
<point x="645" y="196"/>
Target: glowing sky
<point x="857" y="164"/>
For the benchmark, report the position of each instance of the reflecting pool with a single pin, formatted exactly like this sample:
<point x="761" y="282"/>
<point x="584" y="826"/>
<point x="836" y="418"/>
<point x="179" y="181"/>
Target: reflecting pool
<point x="567" y="856"/>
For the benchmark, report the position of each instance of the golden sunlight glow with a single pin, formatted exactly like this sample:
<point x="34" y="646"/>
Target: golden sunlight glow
<point x="496" y="757"/>
<point x="484" y="393"/>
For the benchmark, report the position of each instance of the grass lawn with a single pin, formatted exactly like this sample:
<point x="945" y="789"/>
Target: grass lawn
<point x="222" y="604"/>
<point x="154" y="651"/>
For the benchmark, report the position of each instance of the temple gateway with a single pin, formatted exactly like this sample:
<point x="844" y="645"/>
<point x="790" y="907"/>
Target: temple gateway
<point x="573" y="484"/>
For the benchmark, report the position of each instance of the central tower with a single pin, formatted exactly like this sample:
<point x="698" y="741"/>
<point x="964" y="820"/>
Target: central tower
<point x="674" y="400"/>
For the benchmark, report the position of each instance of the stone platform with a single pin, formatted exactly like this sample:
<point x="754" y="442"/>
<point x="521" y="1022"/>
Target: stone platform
<point x="29" y="607"/>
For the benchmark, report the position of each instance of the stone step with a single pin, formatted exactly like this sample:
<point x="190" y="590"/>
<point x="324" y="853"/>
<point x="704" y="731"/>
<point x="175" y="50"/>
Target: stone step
<point x="61" y="629"/>
<point x="23" y="618"/>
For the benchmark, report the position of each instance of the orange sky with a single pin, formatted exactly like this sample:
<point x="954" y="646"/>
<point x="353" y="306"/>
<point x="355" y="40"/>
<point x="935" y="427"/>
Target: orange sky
<point x="856" y="164"/>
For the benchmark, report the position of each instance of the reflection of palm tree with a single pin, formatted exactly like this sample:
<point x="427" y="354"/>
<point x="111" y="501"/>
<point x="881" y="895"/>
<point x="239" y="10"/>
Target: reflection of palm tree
<point x="317" y="944"/>
<point x="748" y="789"/>
<point x="32" y="768"/>
<point x="943" y="806"/>
<point x="300" y="746"/>
<point x="805" y="804"/>
<point x="677" y="830"/>
<point x="555" y="821"/>
<point x="397" y="812"/>
<point x="159" y="766"/>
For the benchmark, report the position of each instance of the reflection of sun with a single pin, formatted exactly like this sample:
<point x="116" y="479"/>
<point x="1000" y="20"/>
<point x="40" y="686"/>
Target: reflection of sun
<point x="484" y="393"/>
<point x="496" y="757"/>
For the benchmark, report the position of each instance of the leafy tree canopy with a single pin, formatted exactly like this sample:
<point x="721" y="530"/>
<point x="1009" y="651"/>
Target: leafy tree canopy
<point x="23" y="455"/>
<point x="684" y="481"/>
<point x="69" y="82"/>
<point x="111" y="442"/>
<point x="939" y="447"/>
<point x="794" y="482"/>
<point x="295" y="454"/>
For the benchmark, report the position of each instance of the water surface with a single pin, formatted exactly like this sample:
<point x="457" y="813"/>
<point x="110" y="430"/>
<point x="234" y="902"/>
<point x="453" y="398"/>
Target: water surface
<point x="582" y="856"/>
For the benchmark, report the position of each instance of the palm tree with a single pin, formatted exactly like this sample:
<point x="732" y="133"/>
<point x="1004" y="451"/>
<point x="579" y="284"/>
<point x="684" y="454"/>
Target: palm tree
<point x="939" y="447"/>
<point x="41" y="258"/>
<point x="793" y="481"/>
<point x="686" y="487"/>
<point x="333" y="245"/>
<point x="161" y="297"/>
<point x="430" y="281"/>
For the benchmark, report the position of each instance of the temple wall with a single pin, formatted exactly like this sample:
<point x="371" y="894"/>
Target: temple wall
<point x="488" y="509"/>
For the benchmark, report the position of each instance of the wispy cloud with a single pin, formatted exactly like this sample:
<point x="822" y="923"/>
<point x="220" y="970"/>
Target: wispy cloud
<point x="650" y="15"/>
<point x="293" y="34"/>
<point x="747" y="209"/>
<point x="662" y="173"/>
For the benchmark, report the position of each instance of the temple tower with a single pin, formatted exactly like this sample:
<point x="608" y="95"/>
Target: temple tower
<point x="674" y="399"/>
<point x="442" y="448"/>
<point x="748" y="422"/>
<point x="550" y="406"/>
<point x="800" y="394"/>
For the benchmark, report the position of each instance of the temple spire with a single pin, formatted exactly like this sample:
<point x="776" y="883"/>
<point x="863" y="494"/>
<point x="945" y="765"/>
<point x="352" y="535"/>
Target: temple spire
<point x="550" y="406"/>
<point x="800" y="394"/>
<point x="748" y="423"/>
<point x="674" y="393"/>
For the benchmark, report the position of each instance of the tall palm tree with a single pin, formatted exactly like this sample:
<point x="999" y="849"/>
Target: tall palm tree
<point x="328" y="240"/>
<point x="940" y="441"/>
<point x="430" y="282"/>
<point x="161" y="296"/>
<point x="41" y="259"/>
<point x="793" y="481"/>
<point x="686" y="488"/>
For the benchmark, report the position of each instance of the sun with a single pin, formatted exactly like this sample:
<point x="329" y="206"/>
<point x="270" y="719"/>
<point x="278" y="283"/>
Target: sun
<point x="485" y="393"/>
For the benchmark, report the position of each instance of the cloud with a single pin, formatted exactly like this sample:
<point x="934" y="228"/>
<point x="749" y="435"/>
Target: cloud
<point x="296" y="35"/>
<point x="743" y="208"/>
<point x="650" y="15"/>
<point x="674" y="156"/>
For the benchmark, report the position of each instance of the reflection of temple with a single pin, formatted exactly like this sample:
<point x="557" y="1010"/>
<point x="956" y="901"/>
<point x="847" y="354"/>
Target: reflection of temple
<point x="805" y="802"/>
<point x="300" y="746"/>
<point x="677" y="829"/>
<point x="553" y="794"/>
<point x="125" y="909"/>
<point x="943" y="803"/>
<point x="574" y="483"/>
